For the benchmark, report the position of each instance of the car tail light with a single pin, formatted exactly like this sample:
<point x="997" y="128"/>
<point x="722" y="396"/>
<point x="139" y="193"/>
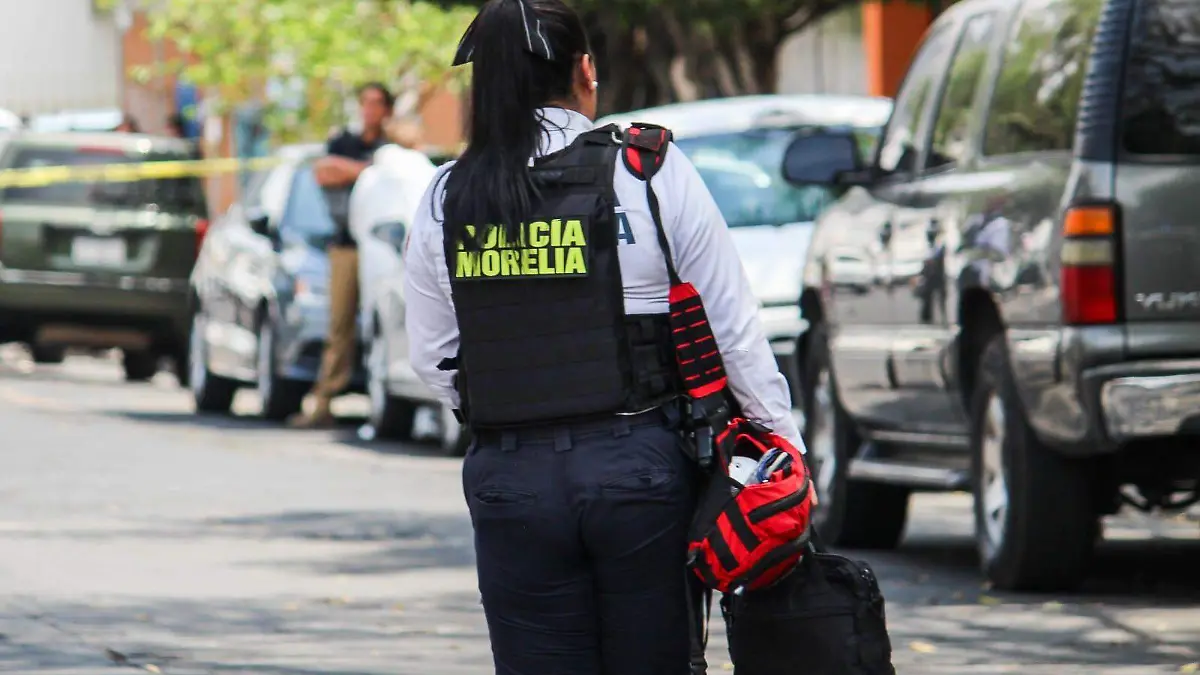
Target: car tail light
<point x="1089" y="276"/>
<point x="201" y="233"/>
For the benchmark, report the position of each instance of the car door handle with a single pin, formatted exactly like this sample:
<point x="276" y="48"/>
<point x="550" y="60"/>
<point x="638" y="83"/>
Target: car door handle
<point x="885" y="233"/>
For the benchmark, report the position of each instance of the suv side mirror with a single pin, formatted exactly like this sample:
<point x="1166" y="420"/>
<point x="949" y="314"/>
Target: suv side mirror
<point x="827" y="158"/>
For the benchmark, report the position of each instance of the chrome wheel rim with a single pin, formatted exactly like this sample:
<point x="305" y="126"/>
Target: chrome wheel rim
<point x="266" y="340"/>
<point x="993" y="482"/>
<point x="822" y="448"/>
<point x="197" y="368"/>
<point x="377" y="378"/>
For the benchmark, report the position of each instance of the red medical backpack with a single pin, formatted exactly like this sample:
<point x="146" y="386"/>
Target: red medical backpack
<point x="743" y="537"/>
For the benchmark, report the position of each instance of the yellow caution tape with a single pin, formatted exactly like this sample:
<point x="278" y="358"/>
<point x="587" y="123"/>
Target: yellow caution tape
<point x="41" y="176"/>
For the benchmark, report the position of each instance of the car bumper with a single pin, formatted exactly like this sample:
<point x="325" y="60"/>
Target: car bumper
<point x="87" y="309"/>
<point x="1149" y="399"/>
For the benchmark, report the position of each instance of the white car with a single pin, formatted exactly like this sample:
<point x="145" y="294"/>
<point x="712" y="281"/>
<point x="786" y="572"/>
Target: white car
<point x="9" y="120"/>
<point x="382" y="206"/>
<point x="737" y="145"/>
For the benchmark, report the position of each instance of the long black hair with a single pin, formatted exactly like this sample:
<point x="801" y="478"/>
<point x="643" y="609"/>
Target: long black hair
<point x="511" y="80"/>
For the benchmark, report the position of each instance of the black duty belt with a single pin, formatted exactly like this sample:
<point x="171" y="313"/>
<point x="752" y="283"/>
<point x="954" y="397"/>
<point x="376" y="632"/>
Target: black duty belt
<point x="665" y="415"/>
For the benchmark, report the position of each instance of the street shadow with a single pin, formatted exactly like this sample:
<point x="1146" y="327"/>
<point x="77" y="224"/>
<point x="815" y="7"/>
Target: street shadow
<point x="345" y="434"/>
<point x="419" y="447"/>
<point x="202" y="420"/>
<point x="20" y="656"/>
<point x="273" y="636"/>
<point x="99" y="375"/>
<point x="946" y="571"/>
<point x="409" y="541"/>
<point x="396" y="541"/>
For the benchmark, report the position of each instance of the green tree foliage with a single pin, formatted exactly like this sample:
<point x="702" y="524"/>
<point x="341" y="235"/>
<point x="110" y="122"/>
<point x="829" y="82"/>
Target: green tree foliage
<point x="318" y="50"/>
<point x="649" y="51"/>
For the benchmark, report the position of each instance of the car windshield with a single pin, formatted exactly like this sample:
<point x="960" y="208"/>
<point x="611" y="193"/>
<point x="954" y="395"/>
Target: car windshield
<point x="744" y="173"/>
<point x="308" y="215"/>
<point x="174" y="195"/>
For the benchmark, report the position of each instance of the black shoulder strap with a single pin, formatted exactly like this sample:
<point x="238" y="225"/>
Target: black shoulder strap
<point x="644" y="148"/>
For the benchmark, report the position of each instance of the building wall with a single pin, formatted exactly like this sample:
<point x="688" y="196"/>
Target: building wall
<point x="826" y="58"/>
<point x="442" y="119"/>
<point x="58" y="55"/>
<point x="151" y="101"/>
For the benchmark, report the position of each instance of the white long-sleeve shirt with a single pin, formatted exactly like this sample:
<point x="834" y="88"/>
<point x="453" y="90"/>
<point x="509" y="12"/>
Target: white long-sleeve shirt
<point x="701" y="247"/>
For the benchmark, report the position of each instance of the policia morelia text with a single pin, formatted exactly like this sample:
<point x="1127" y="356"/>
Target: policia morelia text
<point x="558" y="248"/>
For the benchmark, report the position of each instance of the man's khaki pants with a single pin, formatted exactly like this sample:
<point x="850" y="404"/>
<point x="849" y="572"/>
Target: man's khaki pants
<point x="337" y="361"/>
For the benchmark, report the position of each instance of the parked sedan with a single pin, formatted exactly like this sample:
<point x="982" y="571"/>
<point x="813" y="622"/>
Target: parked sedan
<point x="382" y="206"/>
<point x="737" y="144"/>
<point x="9" y="120"/>
<point x="259" y="292"/>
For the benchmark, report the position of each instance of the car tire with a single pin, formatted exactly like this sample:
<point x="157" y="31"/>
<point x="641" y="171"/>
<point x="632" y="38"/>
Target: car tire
<point x="1036" y="524"/>
<point x="391" y="417"/>
<point x="211" y="393"/>
<point x="139" y="365"/>
<point x="281" y="397"/>
<point x="48" y="354"/>
<point x="180" y="367"/>
<point x="849" y="513"/>
<point x="453" y="438"/>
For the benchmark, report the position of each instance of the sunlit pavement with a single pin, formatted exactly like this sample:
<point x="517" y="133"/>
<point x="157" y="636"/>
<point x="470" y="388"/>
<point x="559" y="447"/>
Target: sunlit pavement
<point x="134" y="535"/>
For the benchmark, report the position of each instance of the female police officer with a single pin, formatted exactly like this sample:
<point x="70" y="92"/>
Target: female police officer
<point x="536" y="303"/>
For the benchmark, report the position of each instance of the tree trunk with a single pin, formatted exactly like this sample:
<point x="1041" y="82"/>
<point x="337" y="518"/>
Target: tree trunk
<point x="672" y="55"/>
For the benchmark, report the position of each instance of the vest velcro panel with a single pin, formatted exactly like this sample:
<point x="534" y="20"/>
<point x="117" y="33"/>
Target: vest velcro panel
<point x="552" y="347"/>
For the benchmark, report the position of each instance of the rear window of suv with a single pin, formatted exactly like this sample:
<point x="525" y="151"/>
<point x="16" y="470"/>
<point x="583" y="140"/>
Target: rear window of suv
<point x="172" y="195"/>
<point x="1161" y="113"/>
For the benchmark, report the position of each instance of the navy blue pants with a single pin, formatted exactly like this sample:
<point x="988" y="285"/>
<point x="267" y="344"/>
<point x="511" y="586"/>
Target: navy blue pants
<point x="581" y="542"/>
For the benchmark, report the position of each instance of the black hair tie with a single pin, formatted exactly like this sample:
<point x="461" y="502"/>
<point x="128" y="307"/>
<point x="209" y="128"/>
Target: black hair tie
<point x="536" y="42"/>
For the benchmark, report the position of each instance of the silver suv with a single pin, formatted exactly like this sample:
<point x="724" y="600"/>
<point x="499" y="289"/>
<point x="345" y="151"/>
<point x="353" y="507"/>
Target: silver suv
<point x="1020" y="315"/>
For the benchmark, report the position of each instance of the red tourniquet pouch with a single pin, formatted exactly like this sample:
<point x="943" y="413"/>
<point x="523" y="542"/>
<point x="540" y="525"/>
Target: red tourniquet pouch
<point x="742" y="537"/>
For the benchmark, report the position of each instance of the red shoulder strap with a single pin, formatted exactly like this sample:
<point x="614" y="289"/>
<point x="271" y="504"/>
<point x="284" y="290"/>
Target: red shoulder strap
<point x="645" y="148"/>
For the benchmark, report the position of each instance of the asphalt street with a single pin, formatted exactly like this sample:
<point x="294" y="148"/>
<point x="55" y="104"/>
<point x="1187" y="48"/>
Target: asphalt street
<point x="135" y="536"/>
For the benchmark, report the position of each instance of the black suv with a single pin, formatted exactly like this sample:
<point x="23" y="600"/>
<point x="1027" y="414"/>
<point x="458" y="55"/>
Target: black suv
<point x="99" y="264"/>
<point x="1006" y="299"/>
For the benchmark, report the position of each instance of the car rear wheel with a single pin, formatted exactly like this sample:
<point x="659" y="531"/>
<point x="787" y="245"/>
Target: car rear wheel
<point x="1036" y="524"/>
<point x="392" y="417"/>
<point x="281" y="397"/>
<point x="139" y="365"/>
<point x="212" y="393"/>
<point x="849" y="513"/>
<point x="48" y="354"/>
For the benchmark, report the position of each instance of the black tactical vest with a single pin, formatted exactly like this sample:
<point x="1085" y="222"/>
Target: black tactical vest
<point x="543" y="333"/>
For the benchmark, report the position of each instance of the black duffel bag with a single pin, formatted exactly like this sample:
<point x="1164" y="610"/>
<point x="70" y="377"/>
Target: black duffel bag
<point x="824" y="618"/>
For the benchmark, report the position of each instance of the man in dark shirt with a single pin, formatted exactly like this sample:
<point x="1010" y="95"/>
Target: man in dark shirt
<point x="177" y="127"/>
<point x="347" y="155"/>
